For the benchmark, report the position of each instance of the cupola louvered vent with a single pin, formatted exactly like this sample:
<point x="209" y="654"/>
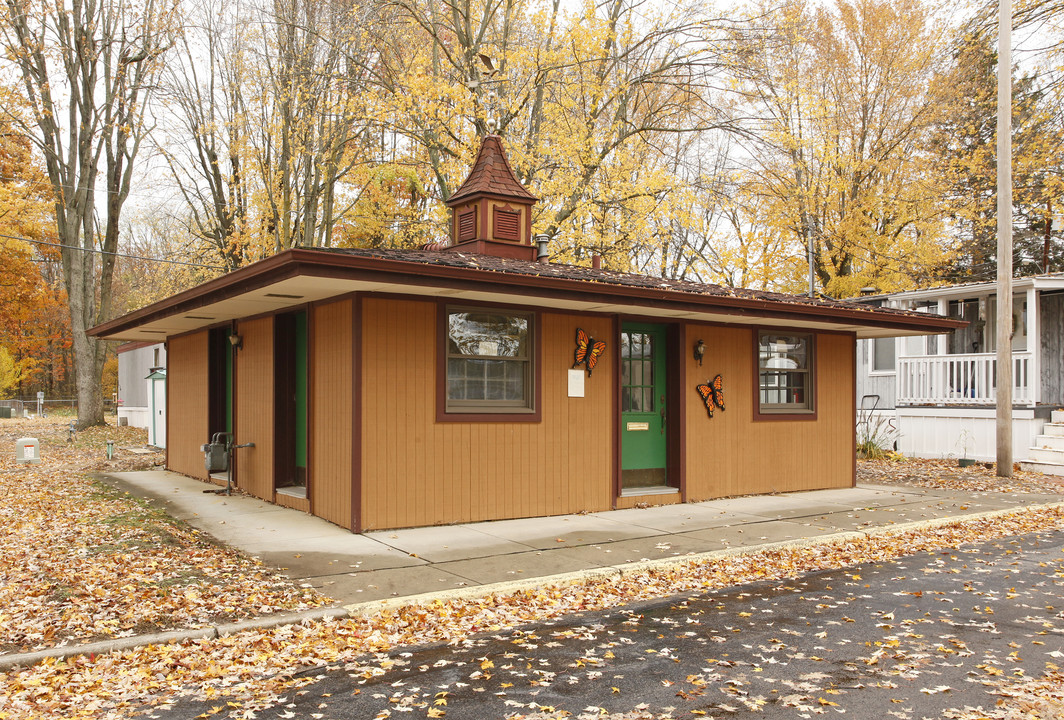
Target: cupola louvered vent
<point x="492" y="208"/>
<point x="467" y="225"/>
<point x="507" y="225"/>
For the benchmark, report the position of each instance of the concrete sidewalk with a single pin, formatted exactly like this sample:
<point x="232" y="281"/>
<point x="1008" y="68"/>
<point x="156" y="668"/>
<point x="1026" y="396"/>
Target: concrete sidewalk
<point x="397" y="563"/>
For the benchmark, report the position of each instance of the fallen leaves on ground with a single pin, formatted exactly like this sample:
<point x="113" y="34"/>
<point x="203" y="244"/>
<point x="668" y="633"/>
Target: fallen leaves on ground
<point x="946" y="475"/>
<point x="1030" y="699"/>
<point x="80" y="561"/>
<point x="252" y="670"/>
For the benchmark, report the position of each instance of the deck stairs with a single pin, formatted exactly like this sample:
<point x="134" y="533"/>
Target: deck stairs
<point x="1047" y="455"/>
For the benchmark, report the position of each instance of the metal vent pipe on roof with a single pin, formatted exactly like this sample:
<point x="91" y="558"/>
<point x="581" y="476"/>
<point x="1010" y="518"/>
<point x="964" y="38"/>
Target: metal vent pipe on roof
<point x="542" y="253"/>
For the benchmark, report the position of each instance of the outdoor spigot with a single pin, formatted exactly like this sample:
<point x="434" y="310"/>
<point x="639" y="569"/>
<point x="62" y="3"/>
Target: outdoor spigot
<point x="110" y="449"/>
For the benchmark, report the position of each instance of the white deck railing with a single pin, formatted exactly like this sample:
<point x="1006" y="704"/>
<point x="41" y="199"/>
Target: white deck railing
<point x="960" y="379"/>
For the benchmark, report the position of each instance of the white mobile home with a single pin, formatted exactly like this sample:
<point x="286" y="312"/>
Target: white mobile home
<point x="934" y="396"/>
<point x="142" y="388"/>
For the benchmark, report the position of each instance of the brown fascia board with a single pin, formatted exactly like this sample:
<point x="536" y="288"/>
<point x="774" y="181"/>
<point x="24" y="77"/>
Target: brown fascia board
<point x="252" y="277"/>
<point x="136" y="345"/>
<point x="296" y="262"/>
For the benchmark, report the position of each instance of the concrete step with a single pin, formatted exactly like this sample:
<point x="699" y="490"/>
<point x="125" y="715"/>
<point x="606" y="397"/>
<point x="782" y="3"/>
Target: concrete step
<point x="1046" y="455"/>
<point x="1056" y="416"/>
<point x="1054" y="429"/>
<point x="1053" y="442"/>
<point x="1046" y="468"/>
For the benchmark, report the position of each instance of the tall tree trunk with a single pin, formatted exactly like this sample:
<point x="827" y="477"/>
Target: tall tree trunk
<point x="86" y="67"/>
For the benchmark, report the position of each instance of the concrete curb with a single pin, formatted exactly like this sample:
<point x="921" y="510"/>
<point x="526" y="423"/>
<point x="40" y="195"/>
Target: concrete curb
<point x="468" y="593"/>
<point x="934" y="523"/>
<point x="169" y="637"/>
<point x="574" y="578"/>
<point x="562" y="580"/>
<point x="623" y="569"/>
<point x="568" y="579"/>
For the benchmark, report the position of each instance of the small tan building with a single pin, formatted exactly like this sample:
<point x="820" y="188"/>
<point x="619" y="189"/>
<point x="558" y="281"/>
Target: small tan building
<point x="479" y="381"/>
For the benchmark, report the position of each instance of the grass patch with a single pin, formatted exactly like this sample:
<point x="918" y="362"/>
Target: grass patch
<point x="179" y="581"/>
<point x="154" y="526"/>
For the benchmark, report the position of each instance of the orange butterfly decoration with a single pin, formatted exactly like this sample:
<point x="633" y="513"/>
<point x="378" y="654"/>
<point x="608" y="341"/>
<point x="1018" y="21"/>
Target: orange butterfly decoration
<point x="713" y="394"/>
<point x="588" y="350"/>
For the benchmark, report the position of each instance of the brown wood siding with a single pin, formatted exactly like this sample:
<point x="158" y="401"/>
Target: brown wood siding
<point x="732" y="454"/>
<point x="293" y="502"/>
<point x="187" y="403"/>
<point x="631" y="501"/>
<point x="329" y="444"/>
<point x="253" y="409"/>
<point x="416" y="471"/>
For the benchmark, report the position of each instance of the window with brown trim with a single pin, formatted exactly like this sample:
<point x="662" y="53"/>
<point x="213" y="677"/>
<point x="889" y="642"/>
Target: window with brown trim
<point x="489" y="361"/>
<point x="785" y="372"/>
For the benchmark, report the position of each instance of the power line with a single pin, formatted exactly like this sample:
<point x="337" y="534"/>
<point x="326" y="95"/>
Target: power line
<point x="108" y="252"/>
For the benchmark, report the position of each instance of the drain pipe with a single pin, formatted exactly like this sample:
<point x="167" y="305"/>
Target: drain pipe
<point x="542" y="253"/>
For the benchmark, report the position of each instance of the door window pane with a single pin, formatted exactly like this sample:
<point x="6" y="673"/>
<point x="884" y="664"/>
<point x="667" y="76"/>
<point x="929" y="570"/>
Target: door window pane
<point x="637" y="372"/>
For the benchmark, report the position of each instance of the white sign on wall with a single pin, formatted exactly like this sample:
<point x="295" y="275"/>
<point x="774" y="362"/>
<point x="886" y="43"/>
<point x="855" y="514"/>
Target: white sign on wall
<point x="576" y="383"/>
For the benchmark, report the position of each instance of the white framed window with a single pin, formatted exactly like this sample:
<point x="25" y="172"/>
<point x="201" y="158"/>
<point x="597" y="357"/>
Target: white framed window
<point x="882" y="356"/>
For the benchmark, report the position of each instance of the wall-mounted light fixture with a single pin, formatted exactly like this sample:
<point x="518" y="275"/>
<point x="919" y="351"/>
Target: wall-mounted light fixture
<point x="235" y="340"/>
<point x="700" y="351"/>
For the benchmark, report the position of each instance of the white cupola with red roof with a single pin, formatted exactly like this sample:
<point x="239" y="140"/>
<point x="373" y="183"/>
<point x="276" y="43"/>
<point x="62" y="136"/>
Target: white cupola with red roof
<point x="491" y="212"/>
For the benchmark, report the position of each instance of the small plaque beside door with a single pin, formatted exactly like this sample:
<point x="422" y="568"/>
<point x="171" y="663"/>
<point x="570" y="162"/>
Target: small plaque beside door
<point x="638" y="426"/>
<point x="576" y="383"/>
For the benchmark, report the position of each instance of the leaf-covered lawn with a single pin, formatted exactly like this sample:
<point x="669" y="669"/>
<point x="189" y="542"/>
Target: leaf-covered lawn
<point x="80" y="561"/>
<point x="946" y="475"/>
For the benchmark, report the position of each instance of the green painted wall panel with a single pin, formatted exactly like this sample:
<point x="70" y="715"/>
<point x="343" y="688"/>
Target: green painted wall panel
<point x="229" y="387"/>
<point x="301" y="389"/>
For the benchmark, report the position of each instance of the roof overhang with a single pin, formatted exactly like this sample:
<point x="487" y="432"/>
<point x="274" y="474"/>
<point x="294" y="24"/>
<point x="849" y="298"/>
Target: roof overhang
<point x="973" y="290"/>
<point x="297" y="277"/>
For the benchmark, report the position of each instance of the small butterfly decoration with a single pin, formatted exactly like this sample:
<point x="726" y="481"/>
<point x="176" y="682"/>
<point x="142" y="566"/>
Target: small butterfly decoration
<point x="713" y="394"/>
<point x="588" y="350"/>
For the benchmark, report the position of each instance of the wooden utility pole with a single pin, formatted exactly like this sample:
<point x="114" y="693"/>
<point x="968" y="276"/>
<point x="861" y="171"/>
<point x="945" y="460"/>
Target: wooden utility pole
<point x="1004" y="240"/>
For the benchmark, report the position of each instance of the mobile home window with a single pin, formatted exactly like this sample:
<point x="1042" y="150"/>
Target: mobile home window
<point x="489" y="361"/>
<point x="785" y="363"/>
<point x="883" y="355"/>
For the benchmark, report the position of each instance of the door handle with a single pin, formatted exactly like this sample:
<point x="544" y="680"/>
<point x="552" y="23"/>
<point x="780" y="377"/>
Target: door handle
<point x="661" y="407"/>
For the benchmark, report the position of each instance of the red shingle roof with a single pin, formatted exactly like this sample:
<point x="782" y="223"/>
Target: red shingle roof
<point x="474" y="272"/>
<point x="491" y="175"/>
<point x="562" y="271"/>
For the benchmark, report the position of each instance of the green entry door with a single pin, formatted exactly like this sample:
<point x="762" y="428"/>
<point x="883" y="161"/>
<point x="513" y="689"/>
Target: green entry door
<point x="643" y="431"/>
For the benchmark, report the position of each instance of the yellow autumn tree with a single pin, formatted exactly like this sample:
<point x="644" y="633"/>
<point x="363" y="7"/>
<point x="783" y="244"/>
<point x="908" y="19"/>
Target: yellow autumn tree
<point x="33" y="329"/>
<point x="839" y="161"/>
<point x="10" y="372"/>
<point x="583" y="97"/>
